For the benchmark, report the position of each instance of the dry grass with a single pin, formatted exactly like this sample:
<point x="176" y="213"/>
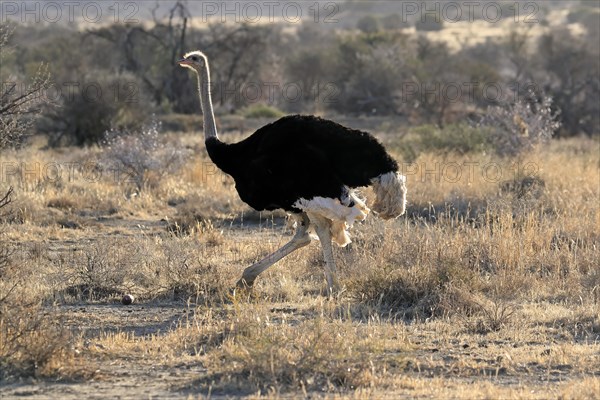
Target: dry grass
<point x="489" y="288"/>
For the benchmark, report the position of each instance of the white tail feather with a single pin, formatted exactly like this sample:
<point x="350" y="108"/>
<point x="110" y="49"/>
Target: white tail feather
<point x="340" y="216"/>
<point x="390" y="202"/>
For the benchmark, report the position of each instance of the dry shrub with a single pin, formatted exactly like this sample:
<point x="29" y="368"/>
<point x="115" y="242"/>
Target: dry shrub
<point x="517" y="127"/>
<point x="524" y="187"/>
<point x="585" y="327"/>
<point x="98" y="272"/>
<point x="6" y="199"/>
<point x="491" y="316"/>
<point x="19" y="109"/>
<point x="178" y="268"/>
<point x="264" y="355"/>
<point x="33" y="340"/>
<point x="62" y="203"/>
<point x="191" y="277"/>
<point x="190" y="217"/>
<point x="144" y="157"/>
<point x="80" y="120"/>
<point x="412" y="293"/>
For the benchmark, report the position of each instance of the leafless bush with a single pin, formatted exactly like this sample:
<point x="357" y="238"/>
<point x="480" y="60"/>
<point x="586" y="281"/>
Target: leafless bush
<point x="98" y="276"/>
<point x="517" y="127"/>
<point x="33" y="341"/>
<point x="319" y="356"/>
<point x="143" y="156"/>
<point x="6" y="199"/>
<point x="493" y="316"/>
<point x="18" y="109"/>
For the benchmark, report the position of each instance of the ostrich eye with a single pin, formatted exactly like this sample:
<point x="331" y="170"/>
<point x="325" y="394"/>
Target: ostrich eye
<point x="194" y="58"/>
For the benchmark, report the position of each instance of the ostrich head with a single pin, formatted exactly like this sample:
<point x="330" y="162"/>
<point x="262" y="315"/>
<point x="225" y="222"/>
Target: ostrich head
<point x="195" y="60"/>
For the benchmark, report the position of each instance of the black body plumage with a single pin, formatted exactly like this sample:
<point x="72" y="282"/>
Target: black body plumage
<point x="297" y="157"/>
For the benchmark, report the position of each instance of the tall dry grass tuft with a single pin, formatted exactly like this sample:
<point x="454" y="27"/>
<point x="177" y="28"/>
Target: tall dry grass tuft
<point x="288" y="357"/>
<point x="33" y="342"/>
<point x="33" y="339"/>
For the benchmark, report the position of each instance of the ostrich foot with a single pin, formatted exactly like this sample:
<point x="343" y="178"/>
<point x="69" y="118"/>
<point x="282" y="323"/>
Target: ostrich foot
<point x="242" y="289"/>
<point x="245" y="283"/>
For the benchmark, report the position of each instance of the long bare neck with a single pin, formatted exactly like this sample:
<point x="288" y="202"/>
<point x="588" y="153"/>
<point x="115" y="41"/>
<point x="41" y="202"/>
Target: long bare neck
<point x="210" y="128"/>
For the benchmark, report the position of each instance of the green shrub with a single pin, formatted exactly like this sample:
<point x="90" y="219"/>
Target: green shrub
<point x="368" y="24"/>
<point x="103" y="102"/>
<point x="394" y="21"/>
<point x="460" y="138"/>
<point x="430" y="23"/>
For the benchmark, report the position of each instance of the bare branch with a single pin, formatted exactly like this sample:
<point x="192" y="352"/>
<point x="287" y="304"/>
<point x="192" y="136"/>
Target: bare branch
<point x="14" y="106"/>
<point x="7" y="199"/>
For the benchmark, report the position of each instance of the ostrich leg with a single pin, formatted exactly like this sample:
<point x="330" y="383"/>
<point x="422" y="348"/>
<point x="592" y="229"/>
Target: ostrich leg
<point x="300" y="239"/>
<point x="323" y="229"/>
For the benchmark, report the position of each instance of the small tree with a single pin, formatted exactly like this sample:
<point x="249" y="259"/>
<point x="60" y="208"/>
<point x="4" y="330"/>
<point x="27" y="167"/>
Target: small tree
<point x="570" y="71"/>
<point x="18" y="108"/>
<point x="114" y="101"/>
<point x="517" y="127"/>
<point x="20" y="104"/>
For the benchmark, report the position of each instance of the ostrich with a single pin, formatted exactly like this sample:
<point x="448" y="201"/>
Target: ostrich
<point x="307" y="166"/>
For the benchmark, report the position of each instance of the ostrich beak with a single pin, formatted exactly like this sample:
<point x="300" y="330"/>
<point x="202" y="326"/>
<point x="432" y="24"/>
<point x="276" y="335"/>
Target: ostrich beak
<point x="183" y="61"/>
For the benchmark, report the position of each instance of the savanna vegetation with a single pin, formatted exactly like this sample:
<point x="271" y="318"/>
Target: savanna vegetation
<point x="488" y="287"/>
